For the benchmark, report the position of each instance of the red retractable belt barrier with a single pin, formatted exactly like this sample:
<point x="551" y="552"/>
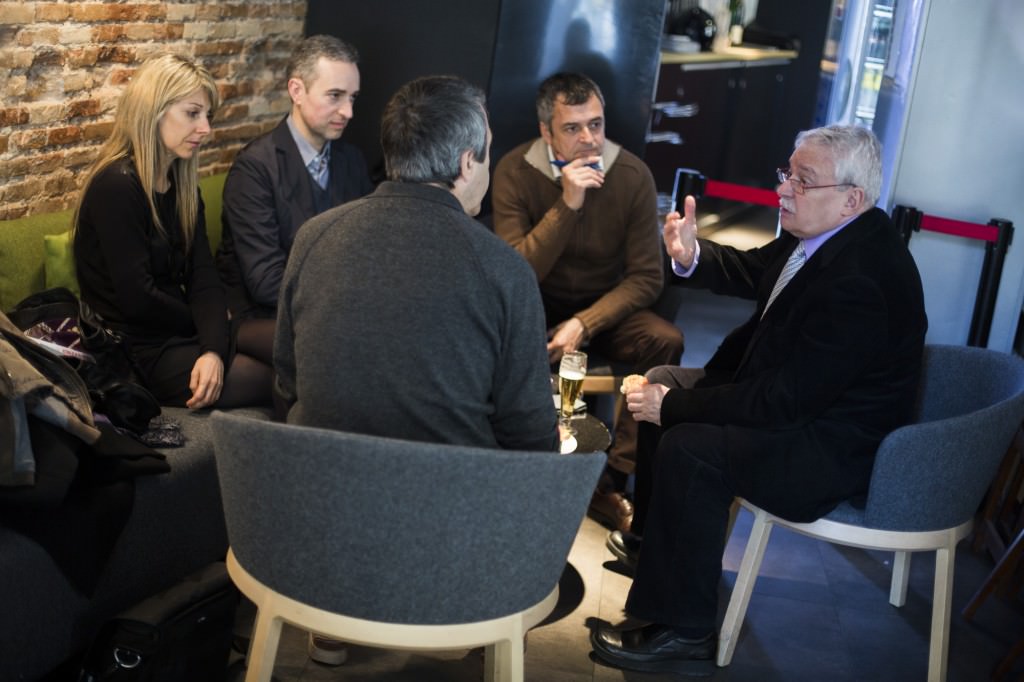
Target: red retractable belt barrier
<point x="750" y="195"/>
<point x="997" y="235"/>
<point x="959" y="228"/>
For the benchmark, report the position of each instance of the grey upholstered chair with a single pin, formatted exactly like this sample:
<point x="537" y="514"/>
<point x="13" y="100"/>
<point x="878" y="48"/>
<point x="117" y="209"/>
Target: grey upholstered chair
<point x="928" y="481"/>
<point x="396" y="544"/>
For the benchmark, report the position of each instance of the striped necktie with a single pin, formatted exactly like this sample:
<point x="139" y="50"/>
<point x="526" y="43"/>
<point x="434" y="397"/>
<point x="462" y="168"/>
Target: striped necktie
<point x="795" y="262"/>
<point x="318" y="169"/>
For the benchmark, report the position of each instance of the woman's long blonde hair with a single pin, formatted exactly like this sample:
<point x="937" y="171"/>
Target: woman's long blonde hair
<point x="158" y="83"/>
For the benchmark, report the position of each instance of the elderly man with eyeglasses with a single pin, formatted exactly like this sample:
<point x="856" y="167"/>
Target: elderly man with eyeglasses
<point x="789" y="411"/>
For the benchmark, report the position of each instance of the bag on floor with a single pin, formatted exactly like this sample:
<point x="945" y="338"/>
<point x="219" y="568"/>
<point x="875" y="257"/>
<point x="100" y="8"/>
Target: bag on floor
<point x="183" y="633"/>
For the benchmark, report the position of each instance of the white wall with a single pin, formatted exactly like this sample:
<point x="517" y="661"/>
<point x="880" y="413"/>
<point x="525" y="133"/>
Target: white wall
<point x="963" y="157"/>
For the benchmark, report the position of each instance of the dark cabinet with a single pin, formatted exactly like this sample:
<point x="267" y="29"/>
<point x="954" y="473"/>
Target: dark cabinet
<point x="724" y="119"/>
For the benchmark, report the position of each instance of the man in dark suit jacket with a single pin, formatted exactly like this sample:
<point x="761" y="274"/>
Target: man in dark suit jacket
<point x="296" y="171"/>
<point x="790" y="409"/>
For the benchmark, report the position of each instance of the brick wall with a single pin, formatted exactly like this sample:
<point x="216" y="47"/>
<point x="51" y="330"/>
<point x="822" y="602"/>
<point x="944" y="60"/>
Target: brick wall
<point x="62" y="66"/>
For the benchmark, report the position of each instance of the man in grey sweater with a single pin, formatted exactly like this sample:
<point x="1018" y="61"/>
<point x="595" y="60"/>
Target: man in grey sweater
<point x="400" y="315"/>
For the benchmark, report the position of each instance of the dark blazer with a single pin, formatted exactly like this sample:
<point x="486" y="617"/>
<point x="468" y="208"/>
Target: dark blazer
<point x="268" y="195"/>
<point x="815" y="385"/>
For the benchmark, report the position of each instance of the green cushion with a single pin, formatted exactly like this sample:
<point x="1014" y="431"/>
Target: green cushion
<point x="59" y="269"/>
<point x="212" y="188"/>
<point x="29" y="264"/>
<point x="23" y="254"/>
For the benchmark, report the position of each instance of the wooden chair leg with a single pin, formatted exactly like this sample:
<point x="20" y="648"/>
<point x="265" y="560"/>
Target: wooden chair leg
<point x="900" y="578"/>
<point x="942" y="605"/>
<point x="263" y="648"/>
<point x="745" y="579"/>
<point x="1003" y="569"/>
<point x="1004" y="666"/>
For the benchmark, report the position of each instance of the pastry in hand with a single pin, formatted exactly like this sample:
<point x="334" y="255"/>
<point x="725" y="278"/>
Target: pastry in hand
<point x="632" y="383"/>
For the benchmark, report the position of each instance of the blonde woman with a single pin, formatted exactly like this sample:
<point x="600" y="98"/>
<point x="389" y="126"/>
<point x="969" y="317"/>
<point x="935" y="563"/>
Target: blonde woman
<point x="141" y="251"/>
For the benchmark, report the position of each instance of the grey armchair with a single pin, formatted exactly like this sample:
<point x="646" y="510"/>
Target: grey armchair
<point x="927" y="483"/>
<point x="393" y="543"/>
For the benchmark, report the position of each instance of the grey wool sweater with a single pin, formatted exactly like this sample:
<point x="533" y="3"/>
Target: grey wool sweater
<point x="401" y="316"/>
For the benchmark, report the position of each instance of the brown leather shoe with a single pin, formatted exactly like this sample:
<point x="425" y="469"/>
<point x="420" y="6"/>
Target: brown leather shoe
<point x="612" y="509"/>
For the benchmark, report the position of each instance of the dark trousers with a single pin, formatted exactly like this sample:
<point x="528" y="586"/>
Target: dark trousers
<point x="642" y="340"/>
<point x="677" y="577"/>
<point x="686" y="478"/>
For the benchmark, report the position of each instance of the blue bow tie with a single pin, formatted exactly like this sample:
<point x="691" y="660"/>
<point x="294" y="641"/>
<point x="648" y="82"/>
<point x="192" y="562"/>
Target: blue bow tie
<point x="563" y="164"/>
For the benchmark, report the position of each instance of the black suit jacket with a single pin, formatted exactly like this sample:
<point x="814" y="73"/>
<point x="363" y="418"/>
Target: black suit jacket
<point x="268" y="195"/>
<point x="808" y="392"/>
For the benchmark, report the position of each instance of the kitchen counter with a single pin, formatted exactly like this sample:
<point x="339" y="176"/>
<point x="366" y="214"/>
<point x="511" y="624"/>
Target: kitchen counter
<point x="729" y="57"/>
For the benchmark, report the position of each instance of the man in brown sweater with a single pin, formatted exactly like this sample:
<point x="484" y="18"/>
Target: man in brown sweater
<point x="583" y="212"/>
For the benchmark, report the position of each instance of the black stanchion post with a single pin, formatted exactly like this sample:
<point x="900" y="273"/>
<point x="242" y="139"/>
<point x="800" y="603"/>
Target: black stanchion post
<point x="988" y="284"/>
<point x="907" y="220"/>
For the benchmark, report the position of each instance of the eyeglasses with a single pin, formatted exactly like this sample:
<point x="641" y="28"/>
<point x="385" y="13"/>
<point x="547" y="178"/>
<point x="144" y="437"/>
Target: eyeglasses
<point x="798" y="185"/>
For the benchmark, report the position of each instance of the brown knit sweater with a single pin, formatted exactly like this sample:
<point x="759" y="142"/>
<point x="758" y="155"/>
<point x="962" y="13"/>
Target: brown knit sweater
<point x="604" y="261"/>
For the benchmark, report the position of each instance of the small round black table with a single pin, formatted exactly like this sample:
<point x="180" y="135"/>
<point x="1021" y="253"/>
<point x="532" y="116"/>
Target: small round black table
<point x="591" y="433"/>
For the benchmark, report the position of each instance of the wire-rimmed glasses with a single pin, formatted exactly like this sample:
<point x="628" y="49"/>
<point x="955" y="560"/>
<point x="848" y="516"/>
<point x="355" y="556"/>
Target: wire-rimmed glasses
<point x="799" y="186"/>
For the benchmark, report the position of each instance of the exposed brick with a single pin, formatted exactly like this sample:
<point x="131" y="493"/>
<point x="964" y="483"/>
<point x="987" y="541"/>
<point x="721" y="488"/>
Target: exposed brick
<point x="17" y="13"/>
<point x="120" y="76"/>
<point x="13" y="116"/>
<point x="48" y="56"/>
<point x="246" y="131"/>
<point x="64" y="64"/>
<point x="234" y="112"/>
<point x="25" y="189"/>
<point x="44" y="113"/>
<point x="97" y="131"/>
<point x="108" y="33"/>
<point x="9" y="212"/>
<point x="46" y="163"/>
<point x="63" y="183"/>
<point x="219" y="47"/>
<point x="116" y="53"/>
<point x="78" y="57"/>
<point x="64" y="135"/>
<point x="52" y="11"/>
<point x="84" y="107"/>
<point x="16" y="87"/>
<point x="77" y="158"/>
<point x="89" y="12"/>
<point x="29" y="139"/>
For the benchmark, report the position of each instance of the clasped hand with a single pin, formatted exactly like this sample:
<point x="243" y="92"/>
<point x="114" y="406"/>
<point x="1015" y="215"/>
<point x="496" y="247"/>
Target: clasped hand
<point x="644" y="403"/>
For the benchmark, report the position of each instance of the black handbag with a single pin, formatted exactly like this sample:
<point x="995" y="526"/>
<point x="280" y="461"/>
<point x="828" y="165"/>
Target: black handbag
<point x="98" y="354"/>
<point x="183" y="633"/>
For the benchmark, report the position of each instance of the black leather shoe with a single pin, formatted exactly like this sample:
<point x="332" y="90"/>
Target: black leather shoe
<point x="655" y="648"/>
<point x="625" y="546"/>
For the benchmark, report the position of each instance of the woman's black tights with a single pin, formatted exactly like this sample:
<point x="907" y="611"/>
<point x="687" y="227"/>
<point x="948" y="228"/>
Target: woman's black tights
<point x="250" y="379"/>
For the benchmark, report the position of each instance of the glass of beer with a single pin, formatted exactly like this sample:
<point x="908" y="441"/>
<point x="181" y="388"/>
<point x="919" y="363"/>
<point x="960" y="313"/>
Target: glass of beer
<point x="570" y="380"/>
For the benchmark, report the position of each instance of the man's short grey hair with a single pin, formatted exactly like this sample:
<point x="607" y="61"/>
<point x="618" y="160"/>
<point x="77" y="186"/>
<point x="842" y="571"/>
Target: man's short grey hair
<point x="302" y="64"/>
<point x="428" y="124"/>
<point x="572" y="88"/>
<point x="857" y="155"/>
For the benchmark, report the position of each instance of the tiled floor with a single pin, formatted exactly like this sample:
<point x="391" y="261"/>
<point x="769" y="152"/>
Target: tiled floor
<point x="818" y="612"/>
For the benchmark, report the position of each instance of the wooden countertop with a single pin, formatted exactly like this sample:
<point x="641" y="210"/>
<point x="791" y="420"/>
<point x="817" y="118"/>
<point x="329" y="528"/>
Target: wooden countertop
<point x="729" y="57"/>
